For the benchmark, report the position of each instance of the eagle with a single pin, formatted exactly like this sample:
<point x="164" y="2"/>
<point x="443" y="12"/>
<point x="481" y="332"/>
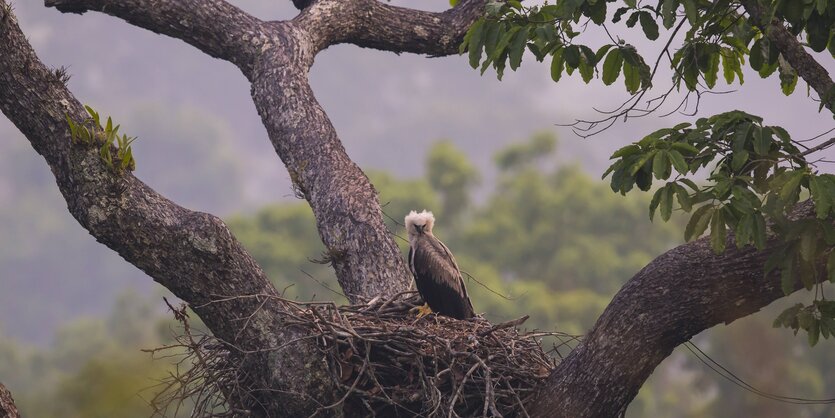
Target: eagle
<point x="437" y="276"/>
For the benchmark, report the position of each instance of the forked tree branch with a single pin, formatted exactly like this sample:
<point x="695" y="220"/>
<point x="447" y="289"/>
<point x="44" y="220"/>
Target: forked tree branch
<point x="804" y="63"/>
<point x="192" y="254"/>
<point x="215" y="27"/>
<point x="373" y="24"/>
<point x="678" y="295"/>
<point x="348" y="215"/>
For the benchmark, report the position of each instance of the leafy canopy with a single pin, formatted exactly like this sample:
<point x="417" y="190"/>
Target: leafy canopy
<point x="756" y="173"/>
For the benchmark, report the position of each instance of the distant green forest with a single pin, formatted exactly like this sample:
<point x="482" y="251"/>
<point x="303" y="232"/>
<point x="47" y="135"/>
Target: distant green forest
<point x="549" y="241"/>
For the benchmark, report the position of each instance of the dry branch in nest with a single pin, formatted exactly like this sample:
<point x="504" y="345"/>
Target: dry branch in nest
<point x="385" y="361"/>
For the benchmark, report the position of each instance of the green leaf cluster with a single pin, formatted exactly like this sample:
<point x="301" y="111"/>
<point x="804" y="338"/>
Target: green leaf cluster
<point x="90" y="132"/>
<point x="816" y="319"/>
<point x="756" y="176"/>
<point x="509" y="29"/>
<point x="756" y="172"/>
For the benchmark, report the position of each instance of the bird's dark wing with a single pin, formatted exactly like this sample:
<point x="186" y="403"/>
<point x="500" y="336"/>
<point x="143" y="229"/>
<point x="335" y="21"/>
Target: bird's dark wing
<point x="438" y="279"/>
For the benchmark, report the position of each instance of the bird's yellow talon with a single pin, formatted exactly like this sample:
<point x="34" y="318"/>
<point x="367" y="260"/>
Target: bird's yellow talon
<point x="422" y="310"/>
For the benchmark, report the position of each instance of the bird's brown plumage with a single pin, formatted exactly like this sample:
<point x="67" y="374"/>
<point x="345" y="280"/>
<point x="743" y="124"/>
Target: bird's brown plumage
<point x="437" y="275"/>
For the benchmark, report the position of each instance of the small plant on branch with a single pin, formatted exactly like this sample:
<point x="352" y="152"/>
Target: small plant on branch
<point x="90" y="132"/>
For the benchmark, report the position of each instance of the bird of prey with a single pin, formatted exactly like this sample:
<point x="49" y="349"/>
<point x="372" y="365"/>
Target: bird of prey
<point x="437" y="276"/>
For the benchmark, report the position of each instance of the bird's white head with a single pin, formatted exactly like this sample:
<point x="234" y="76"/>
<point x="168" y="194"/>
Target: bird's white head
<point x="419" y="223"/>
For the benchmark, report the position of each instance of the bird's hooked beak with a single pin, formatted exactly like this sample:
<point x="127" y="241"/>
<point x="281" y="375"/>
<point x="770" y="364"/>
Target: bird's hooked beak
<point x="420" y="228"/>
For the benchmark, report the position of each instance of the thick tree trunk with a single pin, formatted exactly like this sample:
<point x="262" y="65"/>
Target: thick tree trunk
<point x="678" y="295"/>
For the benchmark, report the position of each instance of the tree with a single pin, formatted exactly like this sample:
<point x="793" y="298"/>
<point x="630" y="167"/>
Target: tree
<point x="196" y="257"/>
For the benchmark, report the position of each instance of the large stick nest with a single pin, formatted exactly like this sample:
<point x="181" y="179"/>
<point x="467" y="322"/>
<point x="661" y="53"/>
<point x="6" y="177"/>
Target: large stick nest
<point x="386" y="362"/>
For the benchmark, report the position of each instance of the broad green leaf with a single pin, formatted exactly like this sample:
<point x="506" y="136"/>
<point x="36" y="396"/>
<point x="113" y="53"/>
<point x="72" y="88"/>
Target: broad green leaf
<point x="741" y="136"/>
<point x="729" y="64"/>
<point x="739" y="160"/>
<point x="626" y="151"/>
<point x="586" y="70"/>
<point x="632" y="78"/>
<point x="762" y="140"/>
<point x="653" y="204"/>
<point x="814" y="332"/>
<point x="641" y="161"/>
<point x="711" y="74"/>
<point x="718" y="233"/>
<point x="476" y="42"/>
<point x="668" y="13"/>
<point x="611" y="66"/>
<point x="788" y="193"/>
<point x="678" y="161"/>
<point x="829" y="324"/>
<point x="788" y="316"/>
<point x="746" y="200"/>
<point x="619" y="14"/>
<point x="685" y="148"/>
<point x="744" y="230"/>
<point x="691" y="11"/>
<point x="649" y="26"/>
<point x="633" y="18"/>
<point x="817" y="32"/>
<point x="572" y="56"/>
<point x="666" y="204"/>
<point x="493" y="31"/>
<point x="683" y="197"/>
<point x="631" y="56"/>
<point x="756" y="59"/>
<point x="517" y="48"/>
<point x="689" y="183"/>
<point x="661" y="165"/>
<point x="788" y="76"/>
<point x="820" y="196"/>
<point x="808" y="245"/>
<point x="557" y="65"/>
<point x="698" y="222"/>
<point x="643" y="179"/>
<point x="830" y="266"/>
<point x="504" y="41"/>
<point x="596" y="11"/>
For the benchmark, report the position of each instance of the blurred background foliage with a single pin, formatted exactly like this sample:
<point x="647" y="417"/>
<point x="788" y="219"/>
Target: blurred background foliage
<point x="555" y="241"/>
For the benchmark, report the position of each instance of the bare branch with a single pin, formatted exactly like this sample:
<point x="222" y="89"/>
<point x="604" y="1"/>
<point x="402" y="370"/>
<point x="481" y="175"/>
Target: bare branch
<point x="679" y="294"/>
<point x="806" y="66"/>
<point x="373" y="24"/>
<point x="212" y="26"/>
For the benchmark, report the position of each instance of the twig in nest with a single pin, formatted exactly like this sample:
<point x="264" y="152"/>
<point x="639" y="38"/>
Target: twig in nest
<point x="382" y="361"/>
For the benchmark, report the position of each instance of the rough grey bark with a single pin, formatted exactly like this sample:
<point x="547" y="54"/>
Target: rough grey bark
<point x="276" y="57"/>
<point x="678" y="295"/>
<point x="7" y="406"/>
<point x="795" y="54"/>
<point x="192" y="254"/>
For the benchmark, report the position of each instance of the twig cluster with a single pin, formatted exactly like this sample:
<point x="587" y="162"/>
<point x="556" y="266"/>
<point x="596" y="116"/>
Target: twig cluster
<point x="386" y="362"/>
